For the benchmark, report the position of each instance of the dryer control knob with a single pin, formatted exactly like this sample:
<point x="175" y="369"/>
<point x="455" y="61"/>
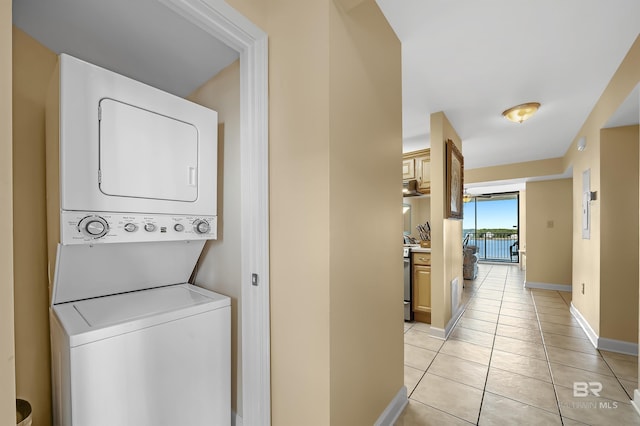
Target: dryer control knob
<point x="201" y="226"/>
<point x="93" y="226"/>
<point x="178" y="227"/>
<point x="149" y="227"/>
<point x="130" y="227"/>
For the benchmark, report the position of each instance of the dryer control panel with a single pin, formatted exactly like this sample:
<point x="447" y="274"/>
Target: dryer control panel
<point x="105" y="227"/>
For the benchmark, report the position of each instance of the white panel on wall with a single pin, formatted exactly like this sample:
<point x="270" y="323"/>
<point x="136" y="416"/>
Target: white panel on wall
<point x="586" y="206"/>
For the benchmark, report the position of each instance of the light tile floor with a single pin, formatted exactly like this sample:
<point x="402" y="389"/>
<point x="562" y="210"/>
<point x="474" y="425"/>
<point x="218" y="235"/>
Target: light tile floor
<point x="513" y="358"/>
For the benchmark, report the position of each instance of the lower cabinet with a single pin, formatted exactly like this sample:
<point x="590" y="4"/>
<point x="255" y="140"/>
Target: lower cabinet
<point x="422" y="287"/>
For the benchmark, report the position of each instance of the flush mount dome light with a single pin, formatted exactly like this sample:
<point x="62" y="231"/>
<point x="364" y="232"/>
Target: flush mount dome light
<point x="522" y="112"/>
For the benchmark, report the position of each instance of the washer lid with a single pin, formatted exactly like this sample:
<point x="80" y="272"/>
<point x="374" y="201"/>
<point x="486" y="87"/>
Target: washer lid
<point x="105" y="311"/>
<point x="87" y="321"/>
<point x="86" y="271"/>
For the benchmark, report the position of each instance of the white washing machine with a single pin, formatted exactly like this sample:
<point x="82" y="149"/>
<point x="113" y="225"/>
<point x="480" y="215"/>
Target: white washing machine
<point x="147" y="358"/>
<point x="131" y="199"/>
<point x="152" y="357"/>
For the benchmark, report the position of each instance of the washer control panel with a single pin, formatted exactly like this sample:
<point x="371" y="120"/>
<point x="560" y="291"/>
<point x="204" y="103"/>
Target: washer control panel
<point x="103" y="227"/>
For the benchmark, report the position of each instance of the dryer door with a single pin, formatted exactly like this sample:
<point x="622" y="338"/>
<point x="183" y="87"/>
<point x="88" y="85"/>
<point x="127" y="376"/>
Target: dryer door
<point x="146" y="155"/>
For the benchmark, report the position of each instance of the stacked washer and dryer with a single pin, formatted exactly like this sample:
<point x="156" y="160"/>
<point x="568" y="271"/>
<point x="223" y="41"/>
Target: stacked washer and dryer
<point x="131" y="199"/>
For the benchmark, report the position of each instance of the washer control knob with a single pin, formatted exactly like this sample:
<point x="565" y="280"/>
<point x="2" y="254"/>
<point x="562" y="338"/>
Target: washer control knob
<point x="130" y="227"/>
<point x="93" y="226"/>
<point x="178" y="227"/>
<point x="149" y="227"/>
<point x="201" y="226"/>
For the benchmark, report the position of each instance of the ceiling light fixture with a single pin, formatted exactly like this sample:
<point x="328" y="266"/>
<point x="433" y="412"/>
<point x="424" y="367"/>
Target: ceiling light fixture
<point x="522" y="112"/>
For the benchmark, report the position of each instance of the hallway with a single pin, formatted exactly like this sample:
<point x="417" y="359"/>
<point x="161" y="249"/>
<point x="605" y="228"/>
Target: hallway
<point x="514" y="357"/>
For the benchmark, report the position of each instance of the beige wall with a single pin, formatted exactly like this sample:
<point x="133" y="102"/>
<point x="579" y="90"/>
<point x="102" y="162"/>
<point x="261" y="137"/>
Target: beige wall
<point x="549" y="231"/>
<point x="335" y="125"/>
<point x="365" y="147"/>
<point x="551" y="166"/>
<point x="219" y="265"/>
<point x="299" y="210"/>
<point x="587" y="253"/>
<point x="7" y="354"/>
<point x="619" y="233"/>
<point x="32" y="66"/>
<point x="446" y="234"/>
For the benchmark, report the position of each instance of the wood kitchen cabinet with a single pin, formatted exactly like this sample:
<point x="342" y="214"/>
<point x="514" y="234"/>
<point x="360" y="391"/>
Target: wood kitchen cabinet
<point x="421" y="287"/>
<point x="417" y="165"/>
<point x="408" y="168"/>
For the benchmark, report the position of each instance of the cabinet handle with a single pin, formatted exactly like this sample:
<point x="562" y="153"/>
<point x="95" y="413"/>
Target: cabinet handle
<point x="423" y="258"/>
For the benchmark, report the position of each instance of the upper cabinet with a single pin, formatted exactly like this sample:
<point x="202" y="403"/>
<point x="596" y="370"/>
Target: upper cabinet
<point x="417" y="165"/>
<point x="408" y="168"/>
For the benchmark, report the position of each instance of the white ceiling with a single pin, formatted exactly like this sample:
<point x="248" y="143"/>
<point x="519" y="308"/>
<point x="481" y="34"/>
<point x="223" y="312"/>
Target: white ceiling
<point x="142" y="39"/>
<point x="473" y="59"/>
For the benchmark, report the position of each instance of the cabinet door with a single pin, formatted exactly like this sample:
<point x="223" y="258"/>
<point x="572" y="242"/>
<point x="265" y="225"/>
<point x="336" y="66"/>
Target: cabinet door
<point x="421" y="288"/>
<point x="424" y="174"/>
<point x="408" y="169"/>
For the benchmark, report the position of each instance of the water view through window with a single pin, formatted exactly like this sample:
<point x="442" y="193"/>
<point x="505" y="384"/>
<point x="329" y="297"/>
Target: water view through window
<point x="491" y="224"/>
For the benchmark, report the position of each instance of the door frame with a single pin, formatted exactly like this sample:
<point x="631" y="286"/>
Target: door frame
<point x="227" y="25"/>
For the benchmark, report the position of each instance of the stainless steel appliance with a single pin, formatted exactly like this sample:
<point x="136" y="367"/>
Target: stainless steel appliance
<point x="408" y="313"/>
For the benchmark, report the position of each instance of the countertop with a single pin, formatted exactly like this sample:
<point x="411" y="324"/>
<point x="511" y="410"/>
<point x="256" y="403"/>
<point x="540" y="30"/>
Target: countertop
<point x="420" y="250"/>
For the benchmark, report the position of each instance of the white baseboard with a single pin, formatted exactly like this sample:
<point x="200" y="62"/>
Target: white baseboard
<point x="438" y="333"/>
<point x="619" y="346"/>
<point x="394" y="409"/>
<point x="593" y="337"/>
<point x="547" y="286"/>
<point x="454" y="319"/>
<point x="636" y="401"/>
<point x="443" y="333"/>
<point x="236" y="420"/>
<point x="611" y="345"/>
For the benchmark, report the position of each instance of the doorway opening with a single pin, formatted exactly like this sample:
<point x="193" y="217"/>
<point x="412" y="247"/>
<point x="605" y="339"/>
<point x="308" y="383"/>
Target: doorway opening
<point x="491" y="223"/>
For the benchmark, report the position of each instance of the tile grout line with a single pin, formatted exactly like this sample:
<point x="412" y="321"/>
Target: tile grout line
<point x="615" y="375"/>
<point x="540" y="331"/>
<point x="486" y="379"/>
<point x="439" y="349"/>
<point x="438" y="352"/>
<point x="618" y="379"/>
<point x="474" y="297"/>
<point x="599" y="351"/>
<point x="578" y="351"/>
<point x="506" y="283"/>
<point x="546" y="354"/>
